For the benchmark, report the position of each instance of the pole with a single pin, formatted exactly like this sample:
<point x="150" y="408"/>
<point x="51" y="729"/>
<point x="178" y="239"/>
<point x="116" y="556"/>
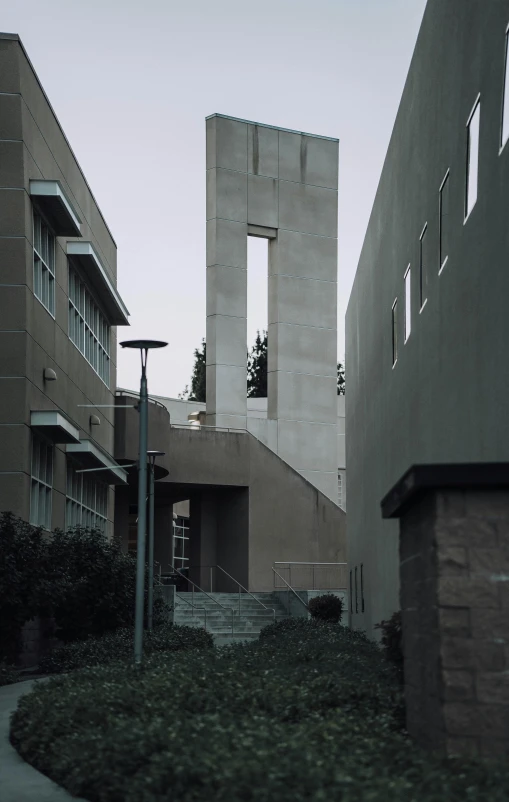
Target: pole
<point x="151" y="545"/>
<point x="142" y="515"/>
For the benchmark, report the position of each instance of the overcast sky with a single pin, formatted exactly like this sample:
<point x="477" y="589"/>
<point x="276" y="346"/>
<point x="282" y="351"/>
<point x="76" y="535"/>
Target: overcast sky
<point x="132" y="82"/>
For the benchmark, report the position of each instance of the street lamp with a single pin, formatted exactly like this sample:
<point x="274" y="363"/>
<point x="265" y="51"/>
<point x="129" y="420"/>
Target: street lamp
<point x="144" y="346"/>
<point x="152" y="456"/>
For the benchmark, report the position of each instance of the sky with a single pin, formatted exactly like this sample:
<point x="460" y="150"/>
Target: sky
<point x="132" y="82"/>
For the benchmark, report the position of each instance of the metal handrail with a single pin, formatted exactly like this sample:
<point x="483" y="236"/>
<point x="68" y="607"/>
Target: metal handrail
<point x="201" y="591"/>
<point x="197" y="608"/>
<point x="134" y="394"/>
<point x="270" y="609"/>
<point x="289" y="563"/>
<point x="293" y="591"/>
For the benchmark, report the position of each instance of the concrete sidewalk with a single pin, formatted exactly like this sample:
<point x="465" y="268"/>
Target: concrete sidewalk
<point x="19" y="782"/>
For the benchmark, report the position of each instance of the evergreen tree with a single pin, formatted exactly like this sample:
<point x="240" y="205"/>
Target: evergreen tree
<point x="341" y="378"/>
<point x="257" y="368"/>
<point x="199" y="377"/>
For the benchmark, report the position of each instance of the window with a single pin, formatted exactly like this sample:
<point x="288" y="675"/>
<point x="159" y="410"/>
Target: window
<point x="444" y="222"/>
<point x="88" y="329"/>
<point x="86" y="502"/>
<point x="504" y="131"/>
<point x="44" y="264"/>
<point x="472" y="158"/>
<point x="340" y="490"/>
<point x="351" y="594"/>
<point x="408" y="303"/>
<point x="394" y="332"/>
<point x="423" y="267"/>
<point x="181" y="543"/>
<point x="42" y="483"/>
<point x="362" y="588"/>
<point x="356" y="599"/>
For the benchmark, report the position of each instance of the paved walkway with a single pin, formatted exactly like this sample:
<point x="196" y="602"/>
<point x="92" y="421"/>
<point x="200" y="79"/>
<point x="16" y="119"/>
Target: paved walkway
<point x="20" y="782"/>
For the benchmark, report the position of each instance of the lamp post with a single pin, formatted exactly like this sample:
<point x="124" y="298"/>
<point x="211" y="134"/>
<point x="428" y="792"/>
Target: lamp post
<point x="144" y="346"/>
<point x="152" y="455"/>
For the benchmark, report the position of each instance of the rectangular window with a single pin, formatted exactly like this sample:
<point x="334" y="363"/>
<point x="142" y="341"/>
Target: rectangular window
<point x="181" y="543"/>
<point x="351" y="594"/>
<point x="394" y="332"/>
<point x="504" y="131"/>
<point x="88" y="328"/>
<point x="86" y="501"/>
<point x="41" y="483"/>
<point x="408" y="303"/>
<point x="340" y="491"/>
<point x="362" y="588"/>
<point x="423" y="267"/>
<point x="44" y="263"/>
<point x="356" y="598"/>
<point x="443" y="222"/>
<point x="472" y="158"/>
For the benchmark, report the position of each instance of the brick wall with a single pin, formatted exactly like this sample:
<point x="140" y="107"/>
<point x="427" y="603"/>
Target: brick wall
<point x="454" y="552"/>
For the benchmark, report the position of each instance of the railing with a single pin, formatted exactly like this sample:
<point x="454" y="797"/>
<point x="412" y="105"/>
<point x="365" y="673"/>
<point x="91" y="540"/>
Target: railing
<point x="241" y="587"/>
<point x="194" y="585"/>
<point x="311" y="576"/>
<point x="289" y="588"/>
<point x="133" y="394"/>
<point x="193" y="425"/>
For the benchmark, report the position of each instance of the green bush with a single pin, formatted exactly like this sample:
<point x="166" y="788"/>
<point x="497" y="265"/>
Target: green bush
<point x="308" y="716"/>
<point x="326" y="608"/>
<point x="119" y="645"/>
<point x="8" y="674"/>
<point x="392" y="641"/>
<point x="22" y="561"/>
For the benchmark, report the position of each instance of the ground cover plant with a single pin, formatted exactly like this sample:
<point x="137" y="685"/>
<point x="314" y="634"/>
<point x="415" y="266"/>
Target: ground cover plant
<point x="311" y="711"/>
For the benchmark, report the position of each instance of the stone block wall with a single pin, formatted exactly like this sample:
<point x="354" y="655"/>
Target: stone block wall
<point x="454" y="571"/>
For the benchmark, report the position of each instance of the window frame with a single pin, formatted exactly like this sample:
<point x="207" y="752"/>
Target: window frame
<point x="362" y="587"/>
<point x="476" y="107"/>
<point x="504" y="105"/>
<point x="394" y="334"/>
<point x="88" y="327"/>
<point x="46" y="264"/>
<point x="39" y="484"/>
<point x="442" y="261"/>
<point x="422" y="303"/>
<point x="185" y="527"/>
<point x="89" y="514"/>
<point x="408" y="304"/>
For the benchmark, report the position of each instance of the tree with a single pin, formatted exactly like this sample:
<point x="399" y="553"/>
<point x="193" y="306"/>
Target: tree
<point x="257" y="368"/>
<point x="341" y="378"/>
<point x="199" y="377"/>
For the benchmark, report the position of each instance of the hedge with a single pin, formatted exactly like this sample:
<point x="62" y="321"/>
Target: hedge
<point x="308" y="713"/>
<point x="119" y="646"/>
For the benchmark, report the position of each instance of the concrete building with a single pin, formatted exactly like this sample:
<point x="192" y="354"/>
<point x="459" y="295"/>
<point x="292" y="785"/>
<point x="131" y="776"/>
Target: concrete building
<point x="59" y="313"/>
<point x="427" y="323"/>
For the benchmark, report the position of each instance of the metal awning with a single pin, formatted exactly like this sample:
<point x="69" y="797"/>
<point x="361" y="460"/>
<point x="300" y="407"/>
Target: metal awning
<point x="85" y="255"/>
<point x="91" y="456"/>
<point x="55" y="426"/>
<point x="56" y="207"/>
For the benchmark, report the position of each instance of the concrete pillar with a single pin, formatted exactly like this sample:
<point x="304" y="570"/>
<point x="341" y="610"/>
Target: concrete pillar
<point x="163" y="538"/>
<point x="282" y="185"/>
<point x="203" y="539"/>
<point x="454" y="572"/>
<point x="226" y="272"/>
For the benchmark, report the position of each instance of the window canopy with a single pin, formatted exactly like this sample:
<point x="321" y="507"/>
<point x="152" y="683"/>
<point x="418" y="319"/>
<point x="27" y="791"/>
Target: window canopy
<point x="55" y="426"/>
<point x="91" y="456"/>
<point x="56" y="207"/>
<point x="85" y="256"/>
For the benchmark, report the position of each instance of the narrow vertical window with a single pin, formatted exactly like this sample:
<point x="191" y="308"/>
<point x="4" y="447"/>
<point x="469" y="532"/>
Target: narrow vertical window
<point x="444" y="222"/>
<point x="41" y="483"/>
<point x="362" y="588"/>
<point x="394" y="332"/>
<point x="356" y="596"/>
<point x="423" y="267"/>
<point x="351" y="594"/>
<point x="408" y="303"/>
<point x="504" y="131"/>
<point x="472" y="158"/>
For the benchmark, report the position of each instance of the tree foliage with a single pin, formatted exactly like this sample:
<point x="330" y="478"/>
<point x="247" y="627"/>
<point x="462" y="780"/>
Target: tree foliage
<point x="257" y="368"/>
<point x="341" y="378"/>
<point x="199" y="377"/>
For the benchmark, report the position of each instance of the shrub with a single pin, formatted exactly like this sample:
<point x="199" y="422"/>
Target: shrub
<point x="392" y="641"/>
<point x="21" y="557"/>
<point x="305" y="717"/>
<point x="326" y="608"/>
<point x="118" y="646"/>
<point x="8" y="674"/>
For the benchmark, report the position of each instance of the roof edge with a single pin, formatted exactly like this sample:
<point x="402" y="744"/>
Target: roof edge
<point x="275" y="127"/>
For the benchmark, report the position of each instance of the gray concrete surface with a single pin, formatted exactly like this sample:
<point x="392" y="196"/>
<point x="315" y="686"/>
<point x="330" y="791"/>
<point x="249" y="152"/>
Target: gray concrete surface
<point x="20" y="782"/>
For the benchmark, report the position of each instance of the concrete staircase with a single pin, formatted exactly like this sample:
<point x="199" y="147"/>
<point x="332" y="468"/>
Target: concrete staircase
<point x="246" y="625"/>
